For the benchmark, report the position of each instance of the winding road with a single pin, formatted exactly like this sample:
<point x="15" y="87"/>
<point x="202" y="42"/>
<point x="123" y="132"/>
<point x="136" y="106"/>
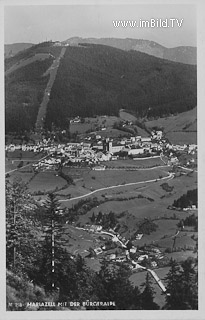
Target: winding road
<point x="170" y="176"/>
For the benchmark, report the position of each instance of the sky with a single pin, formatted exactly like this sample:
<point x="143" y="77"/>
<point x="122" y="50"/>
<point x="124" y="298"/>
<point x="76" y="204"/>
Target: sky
<point x="37" y="23"/>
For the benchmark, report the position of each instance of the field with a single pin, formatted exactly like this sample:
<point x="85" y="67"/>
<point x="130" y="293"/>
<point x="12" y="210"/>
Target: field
<point x="137" y="201"/>
<point x="165" y="227"/>
<point x="179" y="129"/>
<point x="13" y="159"/>
<point x="25" y="177"/>
<point x="46" y="181"/>
<point x="142" y="163"/>
<point x="92" y="180"/>
<point x="77" y="240"/>
<point x="92" y="124"/>
<point x="175" y="123"/>
<point x="183" y="240"/>
<point x="126" y="116"/>
<point x="182" y="137"/>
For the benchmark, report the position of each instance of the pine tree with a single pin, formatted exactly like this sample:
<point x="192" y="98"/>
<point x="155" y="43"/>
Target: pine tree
<point x="174" y="289"/>
<point x="116" y="286"/>
<point x="93" y="218"/>
<point x="52" y="253"/>
<point x="189" y="283"/>
<point x="22" y="231"/>
<point x="147" y="296"/>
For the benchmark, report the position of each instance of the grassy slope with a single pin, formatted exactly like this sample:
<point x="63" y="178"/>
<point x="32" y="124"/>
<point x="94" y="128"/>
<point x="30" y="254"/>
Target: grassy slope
<point x="180" y="128"/>
<point x="184" y="121"/>
<point x="14" y="48"/>
<point x="101" y="80"/>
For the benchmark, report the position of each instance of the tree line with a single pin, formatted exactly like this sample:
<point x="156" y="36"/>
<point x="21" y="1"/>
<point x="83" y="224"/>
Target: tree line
<point x="188" y="199"/>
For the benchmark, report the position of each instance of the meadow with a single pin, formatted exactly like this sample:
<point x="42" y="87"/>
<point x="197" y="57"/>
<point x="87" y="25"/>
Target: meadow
<point x="46" y="181"/>
<point x="182" y="137"/>
<point x="128" y="163"/>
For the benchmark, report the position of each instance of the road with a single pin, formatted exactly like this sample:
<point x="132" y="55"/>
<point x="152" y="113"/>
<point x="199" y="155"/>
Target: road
<point x="136" y="169"/>
<point x="170" y="176"/>
<point x="137" y="266"/>
<point x="188" y="169"/>
<point x="27" y="165"/>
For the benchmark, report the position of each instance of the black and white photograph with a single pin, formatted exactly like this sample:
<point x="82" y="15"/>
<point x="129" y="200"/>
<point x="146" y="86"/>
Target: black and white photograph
<point x="101" y="159"/>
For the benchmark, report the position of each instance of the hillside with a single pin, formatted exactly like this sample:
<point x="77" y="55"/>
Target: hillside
<point x="11" y="49"/>
<point x="93" y="79"/>
<point x="97" y="79"/>
<point x="25" y="83"/>
<point x="185" y="121"/>
<point x="180" y="128"/>
<point x="183" y="54"/>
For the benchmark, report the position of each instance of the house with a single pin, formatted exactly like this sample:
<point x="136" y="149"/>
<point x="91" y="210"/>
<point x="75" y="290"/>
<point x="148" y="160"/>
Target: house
<point x="139" y="236"/>
<point x="120" y="259"/>
<point x="114" y="239"/>
<point x="146" y="139"/>
<point x="138" y="138"/>
<point x="142" y="257"/>
<point x="99" y="168"/>
<point x="95" y="228"/>
<point x="12" y="148"/>
<point x="154" y="264"/>
<point x="133" y="250"/>
<point x="174" y="160"/>
<point x="103" y="157"/>
<point x="136" y="151"/>
<point x="114" y="157"/>
<point x="98" y="250"/>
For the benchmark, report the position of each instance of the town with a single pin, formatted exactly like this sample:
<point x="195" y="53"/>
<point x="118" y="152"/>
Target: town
<point x="94" y="150"/>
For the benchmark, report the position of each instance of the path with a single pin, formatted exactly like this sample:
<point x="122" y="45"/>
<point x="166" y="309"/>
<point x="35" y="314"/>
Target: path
<point x="157" y="279"/>
<point x="136" y="168"/>
<point x="117" y="186"/>
<point x="188" y="169"/>
<point x="25" y="165"/>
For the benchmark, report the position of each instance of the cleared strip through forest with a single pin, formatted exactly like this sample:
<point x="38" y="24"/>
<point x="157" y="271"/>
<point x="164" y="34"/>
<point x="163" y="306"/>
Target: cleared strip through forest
<point x="43" y="107"/>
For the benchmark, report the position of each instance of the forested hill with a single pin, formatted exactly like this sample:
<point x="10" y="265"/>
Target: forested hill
<point x="97" y="79"/>
<point x="184" y="54"/>
<point x="94" y="79"/>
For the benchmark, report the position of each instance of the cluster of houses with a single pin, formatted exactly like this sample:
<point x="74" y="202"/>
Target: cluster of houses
<point x="129" y="252"/>
<point x="95" y="149"/>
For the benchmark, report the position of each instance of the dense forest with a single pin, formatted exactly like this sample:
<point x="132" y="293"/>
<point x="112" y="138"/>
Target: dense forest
<point x="24" y="90"/>
<point x="31" y="275"/>
<point x="24" y="87"/>
<point x="97" y="79"/>
<point x="187" y="200"/>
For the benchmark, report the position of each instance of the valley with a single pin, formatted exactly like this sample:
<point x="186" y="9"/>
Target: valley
<point x="93" y="128"/>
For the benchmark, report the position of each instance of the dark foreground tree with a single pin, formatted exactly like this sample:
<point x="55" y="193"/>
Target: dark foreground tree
<point x="182" y="286"/>
<point x="147" y="296"/>
<point x="189" y="283"/>
<point x="52" y="254"/>
<point x="117" y="287"/>
<point x="21" y="230"/>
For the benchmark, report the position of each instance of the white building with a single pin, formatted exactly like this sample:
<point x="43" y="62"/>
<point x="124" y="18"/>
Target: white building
<point x="136" y="151"/>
